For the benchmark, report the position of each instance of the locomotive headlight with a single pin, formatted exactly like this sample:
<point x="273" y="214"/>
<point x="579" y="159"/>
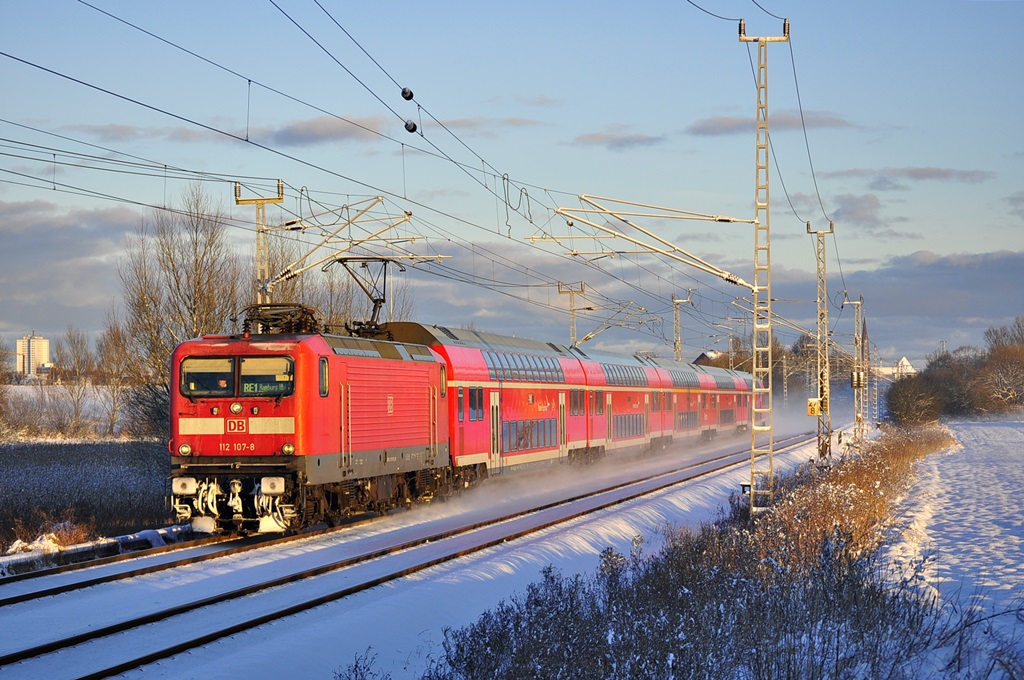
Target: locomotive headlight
<point x="184" y="486"/>
<point x="272" y="486"/>
<point x="236" y="407"/>
<point x="185" y="450"/>
<point x="288" y="449"/>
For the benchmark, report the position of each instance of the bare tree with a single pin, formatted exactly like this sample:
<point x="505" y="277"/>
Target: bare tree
<point x="1006" y="335"/>
<point x="8" y="363"/>
<point x="75" y="362"/>
<point x="1003" y="376"/>
<point x="179" y="280"/>
<point x="116" y="370"/>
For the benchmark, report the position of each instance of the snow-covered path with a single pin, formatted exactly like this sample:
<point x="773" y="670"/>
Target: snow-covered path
<point x="965" y="515"/>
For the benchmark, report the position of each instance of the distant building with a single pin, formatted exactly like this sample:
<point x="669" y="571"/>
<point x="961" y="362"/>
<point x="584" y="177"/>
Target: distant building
<point x="33" y="356"/>
<point x="902" y="369"/>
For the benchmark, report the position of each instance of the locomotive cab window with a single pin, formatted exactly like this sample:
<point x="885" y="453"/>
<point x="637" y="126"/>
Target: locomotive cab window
<point x="204" y="377"/>
<point x="266" y="376"/>
<point x="325" y="377"/>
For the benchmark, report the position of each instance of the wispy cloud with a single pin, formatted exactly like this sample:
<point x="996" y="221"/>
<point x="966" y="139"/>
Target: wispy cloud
<point x="864" y="210"/>
<point x="325" y="129"/>
<point x="1016" y="202"/>
<point x="893" y="179"/>
<point x="618" y="138"/>
<point x="783" y="120"/>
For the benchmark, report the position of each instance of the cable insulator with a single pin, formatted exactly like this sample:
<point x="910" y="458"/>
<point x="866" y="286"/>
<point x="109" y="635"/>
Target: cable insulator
<point x="406" y="94"/>
<point x="410" y="126"/>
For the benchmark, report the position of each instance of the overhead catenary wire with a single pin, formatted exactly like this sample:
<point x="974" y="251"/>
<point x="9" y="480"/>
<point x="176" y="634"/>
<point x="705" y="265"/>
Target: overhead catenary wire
<point x="504" y="199"/>
<point x="505" y="180"/>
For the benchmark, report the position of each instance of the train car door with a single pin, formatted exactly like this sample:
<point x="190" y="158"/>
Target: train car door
<point x="647" y="418"/>
<point x="609" y="418"/>
<point x="345" y="415"/>
<point x="495" y="411"/>
<point x="563" y="440"/>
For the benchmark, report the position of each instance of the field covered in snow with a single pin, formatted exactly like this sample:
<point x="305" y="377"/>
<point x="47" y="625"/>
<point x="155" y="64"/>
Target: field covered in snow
<point x="117" y="486"/>
<point x="962" y="514"/>
<point x="959" y="532"/>
<point x="964" y="520"/>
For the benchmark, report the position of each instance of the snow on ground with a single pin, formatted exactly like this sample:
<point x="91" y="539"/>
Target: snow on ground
<point x="965" y="520"/>
<point x="403" y="622"/>
<point x="964" y="511"/>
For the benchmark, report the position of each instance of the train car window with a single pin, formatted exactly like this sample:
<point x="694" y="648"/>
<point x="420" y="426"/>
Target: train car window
<point x="520" y="369"/>
<point x="204" y="377"/>
<point x="492" y="370"/>
<point x="476" y="405"/>
<point x="444" y="381"/>
<point x="460" y="407"/>
<point x="266" y="376"/>
<point x="506" y="373"/>
<point x="325" y="381"/>
<point x="534" y="368"/>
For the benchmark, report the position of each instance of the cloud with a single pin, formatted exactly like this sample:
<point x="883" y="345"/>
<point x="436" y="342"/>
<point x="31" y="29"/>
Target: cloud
<point x="865" y="210"/>
<point x="1016" y="202"/>
<point x="889" y="179"/>
<point x="912" y="303"/>
<point x="61" y="266"/>
<point x="539" y="100"/>
<point x="618" y="138"/>
<point x="326" y="129"/>
<point x="483" y="125"/>
<point x="781" y="121"/>
<point x="113" y="132"/>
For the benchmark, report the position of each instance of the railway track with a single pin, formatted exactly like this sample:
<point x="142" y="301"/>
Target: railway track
<point x="115" y="625"/>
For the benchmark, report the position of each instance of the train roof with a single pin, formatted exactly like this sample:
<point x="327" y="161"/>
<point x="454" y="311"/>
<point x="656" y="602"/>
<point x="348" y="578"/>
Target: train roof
<point x="408" y="331"/>
<point x="682" y="374"/>
<point x="724" y="377"/>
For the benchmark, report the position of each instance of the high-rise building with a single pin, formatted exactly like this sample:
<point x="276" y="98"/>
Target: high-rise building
<point x="33" y="355"/>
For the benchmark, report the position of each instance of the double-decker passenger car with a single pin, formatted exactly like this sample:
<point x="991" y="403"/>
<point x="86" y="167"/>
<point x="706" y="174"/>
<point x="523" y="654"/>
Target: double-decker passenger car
<point x="287" y="426"/>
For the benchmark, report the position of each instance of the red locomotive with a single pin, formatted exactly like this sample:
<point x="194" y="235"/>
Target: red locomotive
<point x="283" y="426"/>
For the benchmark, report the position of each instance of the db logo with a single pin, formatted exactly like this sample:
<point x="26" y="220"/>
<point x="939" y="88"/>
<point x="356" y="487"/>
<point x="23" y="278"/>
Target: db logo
<point x="236" y="425"/>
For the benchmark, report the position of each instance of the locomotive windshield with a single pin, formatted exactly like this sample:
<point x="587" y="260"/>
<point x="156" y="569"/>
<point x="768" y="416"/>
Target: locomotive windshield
<point x="237" y="376"/>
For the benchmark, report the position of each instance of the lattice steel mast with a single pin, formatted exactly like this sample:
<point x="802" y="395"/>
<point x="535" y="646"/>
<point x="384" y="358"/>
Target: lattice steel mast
<point x="262" y="252"/>
<point x="821" y="405"/>
<point x="858" y="379"/>
<point x="762" y="463"/>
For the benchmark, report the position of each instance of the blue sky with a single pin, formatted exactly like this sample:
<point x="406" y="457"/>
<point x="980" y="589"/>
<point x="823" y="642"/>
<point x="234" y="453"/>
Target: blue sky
<point x="899" y="121"/>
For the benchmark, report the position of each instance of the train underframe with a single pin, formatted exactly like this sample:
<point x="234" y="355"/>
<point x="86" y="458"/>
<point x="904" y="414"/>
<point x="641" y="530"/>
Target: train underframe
<point x="264" y="498"/>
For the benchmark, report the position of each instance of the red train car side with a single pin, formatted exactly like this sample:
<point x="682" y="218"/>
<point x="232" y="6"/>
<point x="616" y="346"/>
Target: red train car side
<point x="281" y="430"/>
